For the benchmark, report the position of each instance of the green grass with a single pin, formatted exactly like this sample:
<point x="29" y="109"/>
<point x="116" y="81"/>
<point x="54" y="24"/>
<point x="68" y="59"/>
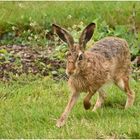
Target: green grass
<point x="21" y="14"/>
<point x="27" y="23"/>
<point x="30" y="106"/>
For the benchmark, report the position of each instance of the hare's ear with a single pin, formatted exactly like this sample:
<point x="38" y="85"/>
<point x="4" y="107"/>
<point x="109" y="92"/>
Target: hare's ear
<point x="86" y="34"/>
<point x="63" y="35"/>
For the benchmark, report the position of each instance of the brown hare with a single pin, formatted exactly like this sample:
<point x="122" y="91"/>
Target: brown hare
<point x="108" y="60"/>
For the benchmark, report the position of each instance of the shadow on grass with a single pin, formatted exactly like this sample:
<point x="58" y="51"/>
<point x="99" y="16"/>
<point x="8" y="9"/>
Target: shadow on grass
<point x="117" y="104"/>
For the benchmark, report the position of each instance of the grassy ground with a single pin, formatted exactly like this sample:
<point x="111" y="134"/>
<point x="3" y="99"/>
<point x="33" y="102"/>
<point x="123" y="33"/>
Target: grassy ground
<point x="28" y="23"/>
<point x="21" y="14"/>
<point x="30" y="107"/>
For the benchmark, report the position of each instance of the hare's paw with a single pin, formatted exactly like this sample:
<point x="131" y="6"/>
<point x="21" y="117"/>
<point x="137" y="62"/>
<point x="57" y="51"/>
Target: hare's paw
<point x="87" y="105"/>
<point x="61" y="122"/>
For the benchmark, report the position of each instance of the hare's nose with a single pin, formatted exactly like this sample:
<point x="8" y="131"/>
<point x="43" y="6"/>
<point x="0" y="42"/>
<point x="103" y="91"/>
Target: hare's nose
<point x="70" y="72"/>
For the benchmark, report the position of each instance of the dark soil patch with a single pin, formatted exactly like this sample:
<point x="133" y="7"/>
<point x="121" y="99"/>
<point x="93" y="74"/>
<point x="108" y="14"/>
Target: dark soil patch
<point x="16" y="60"/>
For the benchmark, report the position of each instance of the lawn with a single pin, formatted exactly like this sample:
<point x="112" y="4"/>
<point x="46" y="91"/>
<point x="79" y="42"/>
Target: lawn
<point x="29" y="104"/>
<point x="30" y="107"/>
<point x="21" y="14"/>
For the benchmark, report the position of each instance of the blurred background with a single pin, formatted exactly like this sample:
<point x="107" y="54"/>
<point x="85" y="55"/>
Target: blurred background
<point x="28" y="45"/>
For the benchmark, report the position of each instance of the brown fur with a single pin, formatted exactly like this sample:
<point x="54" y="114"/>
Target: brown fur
<point x="108" y="60"/>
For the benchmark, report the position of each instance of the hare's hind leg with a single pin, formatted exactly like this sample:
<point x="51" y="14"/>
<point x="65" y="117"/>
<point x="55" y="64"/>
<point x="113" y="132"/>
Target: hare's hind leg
<point x="123" y="84"/>
<point x="100" y="100"/>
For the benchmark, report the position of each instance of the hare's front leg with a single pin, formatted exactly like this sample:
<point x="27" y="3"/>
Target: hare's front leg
<point x="61" y="121"/>
<point x="87" y="103"/>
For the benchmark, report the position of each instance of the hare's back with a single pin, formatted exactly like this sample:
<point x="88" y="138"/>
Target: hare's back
<point x="111" y="47"/>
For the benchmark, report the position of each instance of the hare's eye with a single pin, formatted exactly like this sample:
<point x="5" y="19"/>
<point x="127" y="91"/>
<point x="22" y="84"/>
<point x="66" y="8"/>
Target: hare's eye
<point x="80" y="57"/>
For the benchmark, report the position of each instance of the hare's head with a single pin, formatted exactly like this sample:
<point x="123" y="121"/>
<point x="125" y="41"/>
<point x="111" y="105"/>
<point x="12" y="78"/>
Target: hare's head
<point x="75" y="56"/>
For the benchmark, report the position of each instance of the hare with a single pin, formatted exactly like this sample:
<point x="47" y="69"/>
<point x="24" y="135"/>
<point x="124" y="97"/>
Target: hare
<point x="108" y="60"/>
